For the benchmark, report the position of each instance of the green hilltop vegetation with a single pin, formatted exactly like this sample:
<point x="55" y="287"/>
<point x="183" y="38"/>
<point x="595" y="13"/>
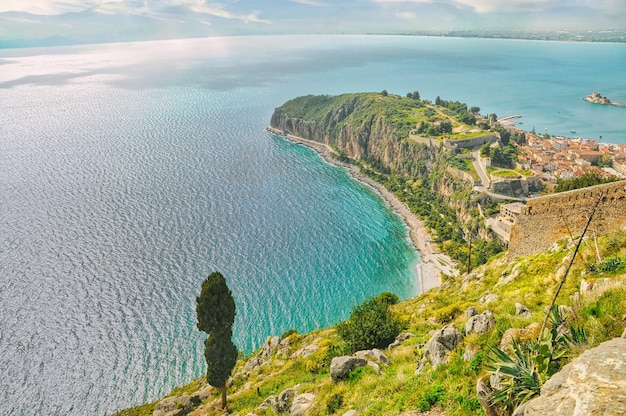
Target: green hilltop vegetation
<point x="443" y="118"/>
<point x="450" y="388"/>
<point x="291" y="373"/>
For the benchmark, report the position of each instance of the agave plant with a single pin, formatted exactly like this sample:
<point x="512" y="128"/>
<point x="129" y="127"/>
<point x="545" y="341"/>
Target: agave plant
<point x="530" y="365"/>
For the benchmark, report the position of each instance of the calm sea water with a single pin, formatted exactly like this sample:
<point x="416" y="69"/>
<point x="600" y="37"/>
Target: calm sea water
<point x="129" y="172"/>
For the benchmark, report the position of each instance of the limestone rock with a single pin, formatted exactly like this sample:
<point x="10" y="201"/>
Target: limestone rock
<point x="471" y="311"/>
<point x="375" y="366"/>
<point x="351" y="413"/>
<point x="306" y="350"/>
<point x="375" y="355"/>
<point x="340" y="367"/>
<point x="201" y="395"/>
<point x="173" y="406"/>
<point x="400" y="339"/>
<point x="301" y="403"/>
<point x="479" y="324"/>
<point x="269" y="402"/>
<point x="262" y="357"/>
<point x="488" y="298"/>
<point x="483" y="392"/>
<point x="521" y="309"/>
<point x="585" y="287"/>
<point x="592" y="384"/>
<point x="283" y="402"/>
<point x="519" y="335"/>
<point x="469" y="353"/>
<point x="441" y="344"/>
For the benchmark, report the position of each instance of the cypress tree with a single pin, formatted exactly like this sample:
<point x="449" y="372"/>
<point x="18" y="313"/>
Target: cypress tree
<point x="215" y="309"/>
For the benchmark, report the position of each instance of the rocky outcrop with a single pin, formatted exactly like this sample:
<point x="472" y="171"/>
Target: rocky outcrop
<point x="284" y="400"/>
<point x="440" y="345"/>
<point x="374" y="355"/>
<point x="521" y="309"/>
<point x="173" y="406"/>
<point x="301" y="404"/>
<point x="483" y="394"/>
<point x="340" y="367"/>
<point x="592" y="384"/>
<point x="479" y="324"/>
<point x="400" y="339"/>
<point x="262" y="357"/>
<point x="519" y="335"/>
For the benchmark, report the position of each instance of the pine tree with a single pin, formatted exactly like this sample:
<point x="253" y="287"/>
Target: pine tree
<point x="215" y="308"/>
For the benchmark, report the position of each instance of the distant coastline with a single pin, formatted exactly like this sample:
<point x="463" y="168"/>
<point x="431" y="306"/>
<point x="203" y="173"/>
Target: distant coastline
<point x="432" y="264"/>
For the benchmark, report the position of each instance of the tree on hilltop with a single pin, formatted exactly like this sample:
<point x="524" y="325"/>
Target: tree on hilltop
<point x="215" y="309"/>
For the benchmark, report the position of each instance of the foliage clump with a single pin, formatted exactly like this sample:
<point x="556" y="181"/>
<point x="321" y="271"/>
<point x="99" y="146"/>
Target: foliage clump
<point x="371" y="325"/>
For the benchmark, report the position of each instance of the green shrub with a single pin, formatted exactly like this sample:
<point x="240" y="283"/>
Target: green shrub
<point x="388" y="298"/>
<point x="334" y="403"/>
<point x="434" y="394"/>
<point x="288" y="333"/>
<point x="609" y="310"/>
<point x="447" y="314"/>
<point x="313" y="367"/>
<point x="371" y="325"/>
<point x="612" y="265"/>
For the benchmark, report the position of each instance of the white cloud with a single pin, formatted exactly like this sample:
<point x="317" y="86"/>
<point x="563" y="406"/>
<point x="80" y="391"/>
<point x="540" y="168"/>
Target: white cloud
<point x="51" y="7"/>
<point x="481" y="6"/>
<point x="45" y="6"/>
<point x="407" y="15"/>
<point x="310" y="3"/>
<point x="218" y="10"/>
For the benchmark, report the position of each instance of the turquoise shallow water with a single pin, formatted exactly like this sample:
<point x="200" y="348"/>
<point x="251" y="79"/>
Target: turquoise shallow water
<point x="129" y="172"/>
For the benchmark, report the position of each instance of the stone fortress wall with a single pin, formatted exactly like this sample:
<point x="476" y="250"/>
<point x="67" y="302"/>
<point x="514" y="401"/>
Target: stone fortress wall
<point x="547" y="219"/>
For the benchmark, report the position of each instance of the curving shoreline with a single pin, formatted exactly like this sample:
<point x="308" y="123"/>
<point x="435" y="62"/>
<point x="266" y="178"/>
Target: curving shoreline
<point x="433" y="264"/>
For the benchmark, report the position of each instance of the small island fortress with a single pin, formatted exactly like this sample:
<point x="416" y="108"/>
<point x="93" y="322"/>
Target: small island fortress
<point x="597" y="98"/>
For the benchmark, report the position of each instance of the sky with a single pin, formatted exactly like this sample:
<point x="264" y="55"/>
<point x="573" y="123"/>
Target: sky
<point x="114" y="20"/>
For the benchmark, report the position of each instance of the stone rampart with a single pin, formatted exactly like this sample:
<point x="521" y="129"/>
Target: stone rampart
<point x="454" y="144"/>
<point x="547" y="219"/>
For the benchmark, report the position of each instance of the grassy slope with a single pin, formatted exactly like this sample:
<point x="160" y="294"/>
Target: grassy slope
<point x="450" y="386"/>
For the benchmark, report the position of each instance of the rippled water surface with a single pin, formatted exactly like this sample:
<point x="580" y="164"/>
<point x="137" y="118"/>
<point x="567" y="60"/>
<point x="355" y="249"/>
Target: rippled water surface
<point x="129" y="172"/>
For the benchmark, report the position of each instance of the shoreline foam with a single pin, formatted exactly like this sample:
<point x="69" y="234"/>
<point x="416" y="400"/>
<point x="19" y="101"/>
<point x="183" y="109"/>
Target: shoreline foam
<point x="432" y="264"/>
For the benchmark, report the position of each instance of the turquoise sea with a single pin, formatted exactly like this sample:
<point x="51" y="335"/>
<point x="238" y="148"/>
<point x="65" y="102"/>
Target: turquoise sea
<point x="129" y="172"/>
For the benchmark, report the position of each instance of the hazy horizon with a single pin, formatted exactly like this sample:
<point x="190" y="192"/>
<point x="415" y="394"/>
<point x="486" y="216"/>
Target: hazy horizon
<point x="32" y="22"/>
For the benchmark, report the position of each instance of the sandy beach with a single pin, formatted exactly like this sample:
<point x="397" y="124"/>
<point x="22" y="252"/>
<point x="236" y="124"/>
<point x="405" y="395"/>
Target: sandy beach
<point x="433" y="264"/>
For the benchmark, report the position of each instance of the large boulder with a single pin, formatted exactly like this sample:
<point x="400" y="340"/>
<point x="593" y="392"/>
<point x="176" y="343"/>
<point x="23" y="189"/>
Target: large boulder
<point x="400" y="339"/>
<point x="301" y="403"/>
<point x="375" y="355"/>
<point x="483" y="394"/>
<point x="340" y="367"/>
<point x="201" y="394"/>
<point x="592" y="384"/>
<point x="521" y="309"/>
<point x="479" y="324"/>
<point x="283" y="402"/>
<point x="441" y="344"/>
<point x="519" y="335"/>
<point x="173" y="406"/>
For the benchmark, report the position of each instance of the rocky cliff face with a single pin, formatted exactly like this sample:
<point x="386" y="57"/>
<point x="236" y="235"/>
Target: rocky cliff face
<point x="372" y="139"/>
